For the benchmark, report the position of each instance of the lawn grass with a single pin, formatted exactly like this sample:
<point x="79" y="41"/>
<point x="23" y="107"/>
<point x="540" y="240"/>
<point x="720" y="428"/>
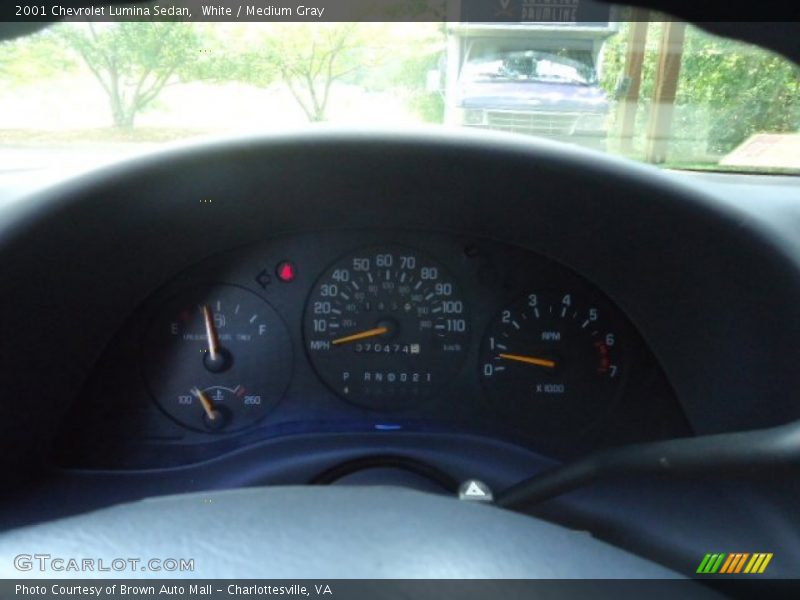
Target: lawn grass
<point x="40" y="137"/>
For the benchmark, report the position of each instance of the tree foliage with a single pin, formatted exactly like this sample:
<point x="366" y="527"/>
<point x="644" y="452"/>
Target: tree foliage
<point x="411" y="52"/>
<point x="746" y="90"/>
<point x="308" y="59"/>
<point x="33" y="58"/>
<point x="419" y="10"/>
<point x="412" y="78"/>
<point x="727" y="91"/>
<point x="134" y="61"/>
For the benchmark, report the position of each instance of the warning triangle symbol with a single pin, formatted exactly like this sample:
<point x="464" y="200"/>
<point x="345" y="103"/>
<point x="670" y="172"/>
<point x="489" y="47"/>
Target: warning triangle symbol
<point x="474" y="490"/>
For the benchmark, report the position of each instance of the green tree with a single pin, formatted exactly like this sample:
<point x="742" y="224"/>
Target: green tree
<point x="134" y="61"/>
<point x="309" y="59"/>
<point x="728" y="90"/>
<point x="746" y="90"/>
<point x="409" y="52"/>
<point x="418" y="10"/>
<point x="427" y="104"/>
<point x="32" y="58"/>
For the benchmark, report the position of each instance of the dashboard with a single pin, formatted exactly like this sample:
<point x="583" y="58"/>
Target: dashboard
<point x="413" y="308"/>
<point x="369" y="331"/>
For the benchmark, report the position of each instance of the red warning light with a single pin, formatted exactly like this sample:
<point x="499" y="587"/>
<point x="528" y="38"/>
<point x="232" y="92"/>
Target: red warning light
<point x="286" y="271"/>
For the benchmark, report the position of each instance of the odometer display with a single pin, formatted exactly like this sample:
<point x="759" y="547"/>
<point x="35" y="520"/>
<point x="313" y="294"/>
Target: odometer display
<point x="386" y="327"/>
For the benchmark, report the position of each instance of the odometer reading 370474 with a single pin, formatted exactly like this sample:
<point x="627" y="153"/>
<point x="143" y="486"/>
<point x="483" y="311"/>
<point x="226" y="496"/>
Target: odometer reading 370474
<point x="386" y="327"/>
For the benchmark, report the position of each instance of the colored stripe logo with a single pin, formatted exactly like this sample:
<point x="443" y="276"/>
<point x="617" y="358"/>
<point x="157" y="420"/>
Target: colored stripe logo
<point x="735" y="562"/>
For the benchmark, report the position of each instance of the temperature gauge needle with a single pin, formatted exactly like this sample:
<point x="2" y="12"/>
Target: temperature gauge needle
<point x="531" y="360"/>
<point x="360" y="336"/>
<point x="211" y="333"/>
<point x="208" y="406"/>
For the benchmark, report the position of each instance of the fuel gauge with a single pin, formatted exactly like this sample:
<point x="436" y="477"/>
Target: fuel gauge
<point x="217" y="358"/>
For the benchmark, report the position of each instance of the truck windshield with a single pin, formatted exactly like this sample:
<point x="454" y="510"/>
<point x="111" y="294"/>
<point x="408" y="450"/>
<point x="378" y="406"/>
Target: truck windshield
<point x="534" y="66"/>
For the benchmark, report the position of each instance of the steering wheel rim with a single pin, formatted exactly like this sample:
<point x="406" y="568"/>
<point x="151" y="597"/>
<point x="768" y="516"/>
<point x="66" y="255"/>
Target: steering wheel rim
<point x="324" y="532"/>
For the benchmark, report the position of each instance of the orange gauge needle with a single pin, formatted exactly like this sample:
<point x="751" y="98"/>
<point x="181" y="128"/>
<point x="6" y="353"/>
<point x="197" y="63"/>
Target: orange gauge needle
<point x="360" y="336"/>
<point x="531" y="360"/>
<point x="211" y="333"/>
<point x="208" y="406"/>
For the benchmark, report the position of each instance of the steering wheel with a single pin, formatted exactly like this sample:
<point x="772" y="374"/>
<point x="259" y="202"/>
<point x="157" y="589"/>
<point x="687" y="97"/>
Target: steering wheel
<point x="325" y="532"/>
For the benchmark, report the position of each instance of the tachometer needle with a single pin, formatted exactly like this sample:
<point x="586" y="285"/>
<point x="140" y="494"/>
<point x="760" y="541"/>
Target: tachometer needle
<point x="211" y="333"/>
<point x="531" y="360"/>
<point x="208" y="406"/>
<point x="360" y="336"/>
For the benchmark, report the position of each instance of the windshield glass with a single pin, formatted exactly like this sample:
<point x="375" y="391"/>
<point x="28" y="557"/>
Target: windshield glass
<point x="542" y="67"/>
<point x="80" y="93"/>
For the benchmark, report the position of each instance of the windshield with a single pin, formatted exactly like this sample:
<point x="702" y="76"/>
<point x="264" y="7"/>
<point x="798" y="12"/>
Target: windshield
<point x="78" y="94"/>
<point x="542" y="67"/>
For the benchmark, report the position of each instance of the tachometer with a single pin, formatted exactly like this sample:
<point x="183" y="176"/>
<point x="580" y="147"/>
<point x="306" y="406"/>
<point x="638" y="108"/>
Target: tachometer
<point x="553" y="357"/>
<point x="385" y="327"/>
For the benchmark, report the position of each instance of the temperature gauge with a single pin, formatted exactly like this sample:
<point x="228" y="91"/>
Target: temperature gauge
<point x="217" y="358"/>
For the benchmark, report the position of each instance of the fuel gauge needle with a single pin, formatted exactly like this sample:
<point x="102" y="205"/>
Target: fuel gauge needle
<point x="360" y="336"/>
<point x="211" y="333"/>
<point x="208" y="406"/>
<point x="217" y="359"/>
<point x="531" y="360"/>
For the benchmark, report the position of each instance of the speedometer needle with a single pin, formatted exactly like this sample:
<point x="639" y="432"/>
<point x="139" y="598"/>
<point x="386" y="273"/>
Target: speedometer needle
<point x="208" y="406"/>
<point x="531" y="360"/>
<point x="360" y="336"/>
<point x="211" y="333"/>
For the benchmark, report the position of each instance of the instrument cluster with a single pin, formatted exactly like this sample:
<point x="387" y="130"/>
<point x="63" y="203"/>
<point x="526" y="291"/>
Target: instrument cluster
<point x="370" y="331"/>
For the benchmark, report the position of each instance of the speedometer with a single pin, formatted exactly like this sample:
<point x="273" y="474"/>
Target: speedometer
<point x="386" y="327"/>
